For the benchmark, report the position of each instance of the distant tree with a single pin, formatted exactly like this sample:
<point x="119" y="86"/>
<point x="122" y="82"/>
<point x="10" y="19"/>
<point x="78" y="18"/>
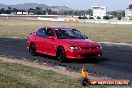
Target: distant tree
<point x="79" y="13"/>
<point x="71" y="12"/>
<point x="119" y="18"/>
<point x="2" y="10"/>
<point x="82" y="13"/>
<point x="91" y="18"/>
<point x="22" y="10"/>
<point x="120" y="14"/>
<point x="84" y="17"/>
<point x="76" y="13"/>
<point x="98" y="17"/>
<point x="38" y="11"/>
<point x="10" y="9"/>
<point x="31" y="10"/>
<point x="14" y="10"/>
<point x="79" y="17"/>
<point x="90" y="12"/>
<point x="7" y="11"/>
<point x="123" y="13"/>
<point x="44" y="12"/>
<point x="49" y="11"/>
<point x="54" y="13"/>
<point x="114" y="13"/>
<point x="65" y="12"/>
<point x="106" y="17"/>
<point x="130" y="6"/>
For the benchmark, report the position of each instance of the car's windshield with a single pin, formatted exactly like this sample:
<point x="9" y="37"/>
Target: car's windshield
<point x="69" y="34"/>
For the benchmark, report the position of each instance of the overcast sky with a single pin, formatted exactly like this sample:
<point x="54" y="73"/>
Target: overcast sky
<point x="76" y="4"/>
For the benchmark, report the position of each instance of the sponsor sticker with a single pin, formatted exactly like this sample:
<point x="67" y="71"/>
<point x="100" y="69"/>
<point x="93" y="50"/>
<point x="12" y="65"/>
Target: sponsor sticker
<point x="86" y="80"/>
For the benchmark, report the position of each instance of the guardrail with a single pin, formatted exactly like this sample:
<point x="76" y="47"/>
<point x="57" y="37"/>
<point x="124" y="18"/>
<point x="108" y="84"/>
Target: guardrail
<point x="67" y="19"/>
<point x="88" y="20"/>
<point x="59" y="19"/>
<point x="107" y="21"/>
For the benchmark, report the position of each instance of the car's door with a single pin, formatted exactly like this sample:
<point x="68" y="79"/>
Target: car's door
<point x="51" y="42"/>
<point x="41" y="38"/>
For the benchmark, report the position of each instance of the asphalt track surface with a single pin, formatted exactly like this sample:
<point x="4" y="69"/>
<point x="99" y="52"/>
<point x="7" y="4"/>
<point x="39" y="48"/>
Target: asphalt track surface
<point x="117" y="61"/>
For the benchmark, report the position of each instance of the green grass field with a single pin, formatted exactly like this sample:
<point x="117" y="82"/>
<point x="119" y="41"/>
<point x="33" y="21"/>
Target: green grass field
<point x="99" y="32"/>
<point x="14" y="75"/>
<point x="20" y="76"/>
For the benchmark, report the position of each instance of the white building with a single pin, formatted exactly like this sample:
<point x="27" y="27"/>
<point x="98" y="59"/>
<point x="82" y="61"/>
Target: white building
<point x="22" y="13"/>
<point x="25" y="13"/>
<point x="19" y="13"/>
<point x="128" y="14"/>
<point x="99" y="11"/>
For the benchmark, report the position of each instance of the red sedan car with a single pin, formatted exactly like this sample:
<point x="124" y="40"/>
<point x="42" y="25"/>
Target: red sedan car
<point x="63" y="43"/>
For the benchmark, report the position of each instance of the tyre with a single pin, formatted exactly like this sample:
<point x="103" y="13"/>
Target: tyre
<point x="61" y="55"/>
<point x="32" y="49"/>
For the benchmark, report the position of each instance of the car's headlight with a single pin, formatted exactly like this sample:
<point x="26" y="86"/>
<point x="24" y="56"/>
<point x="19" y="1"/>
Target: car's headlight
<point x="100" y="47"/>
<point x="75" y="48"/>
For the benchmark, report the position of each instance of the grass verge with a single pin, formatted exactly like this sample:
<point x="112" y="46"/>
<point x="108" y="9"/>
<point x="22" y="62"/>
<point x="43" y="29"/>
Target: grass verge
<point x="20" y="76"/>
<point x="24" y="74"/>
<point x="98" y="32"/>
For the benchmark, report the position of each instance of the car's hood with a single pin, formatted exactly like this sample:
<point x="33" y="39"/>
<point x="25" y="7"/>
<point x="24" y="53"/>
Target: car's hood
<point x="81" y="42"/>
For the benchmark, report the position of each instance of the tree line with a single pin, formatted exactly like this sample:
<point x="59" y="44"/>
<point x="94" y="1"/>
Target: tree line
<point x="40" y="11"/>
<point x="130" y="6"/>
<point x="80" y="13"/>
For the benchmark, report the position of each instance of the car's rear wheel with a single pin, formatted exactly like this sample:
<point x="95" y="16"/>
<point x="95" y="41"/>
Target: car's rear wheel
<point x="32" y="49"/>
<point x="61" y="55"/>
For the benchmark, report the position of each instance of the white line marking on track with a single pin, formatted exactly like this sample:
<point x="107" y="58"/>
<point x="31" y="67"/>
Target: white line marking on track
<point x="15" y="37"/>
<point x="116" y="43"/>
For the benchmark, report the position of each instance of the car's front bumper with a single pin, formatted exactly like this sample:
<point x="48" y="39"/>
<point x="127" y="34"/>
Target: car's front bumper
<point x="84" y="54"/>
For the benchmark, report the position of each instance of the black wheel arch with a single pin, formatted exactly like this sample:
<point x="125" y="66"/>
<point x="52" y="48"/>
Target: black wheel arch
<point x="58" y="48"/>
<point x="32" y="43"/>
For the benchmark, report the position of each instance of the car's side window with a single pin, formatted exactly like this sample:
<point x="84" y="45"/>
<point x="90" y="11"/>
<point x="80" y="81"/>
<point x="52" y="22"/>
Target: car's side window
<point x="42" y="33"/>
<point x="50" y="32"/>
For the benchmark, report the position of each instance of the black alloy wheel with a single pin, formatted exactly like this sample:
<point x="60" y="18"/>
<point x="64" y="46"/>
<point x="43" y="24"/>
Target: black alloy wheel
<point x="32" y="49"/>
<point x="61" y="56"/>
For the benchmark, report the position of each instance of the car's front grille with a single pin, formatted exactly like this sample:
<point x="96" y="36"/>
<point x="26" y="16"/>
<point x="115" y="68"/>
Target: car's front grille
<point x="85" y="47"/>
<point x="88" y="48"/>
<point x="92" y="47"/>
<point x="88" y="55"/>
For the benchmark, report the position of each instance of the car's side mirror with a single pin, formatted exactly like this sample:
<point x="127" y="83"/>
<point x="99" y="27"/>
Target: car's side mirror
<point x="51" y="37"/>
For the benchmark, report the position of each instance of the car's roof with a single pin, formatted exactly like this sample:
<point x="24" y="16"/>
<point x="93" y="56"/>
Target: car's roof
<point x="58" y="27"/>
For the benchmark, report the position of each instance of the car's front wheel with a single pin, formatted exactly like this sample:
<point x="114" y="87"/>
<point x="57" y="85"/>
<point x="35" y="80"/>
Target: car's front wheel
<point x="61" y="55"/>
<point x="32" y="49"/>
